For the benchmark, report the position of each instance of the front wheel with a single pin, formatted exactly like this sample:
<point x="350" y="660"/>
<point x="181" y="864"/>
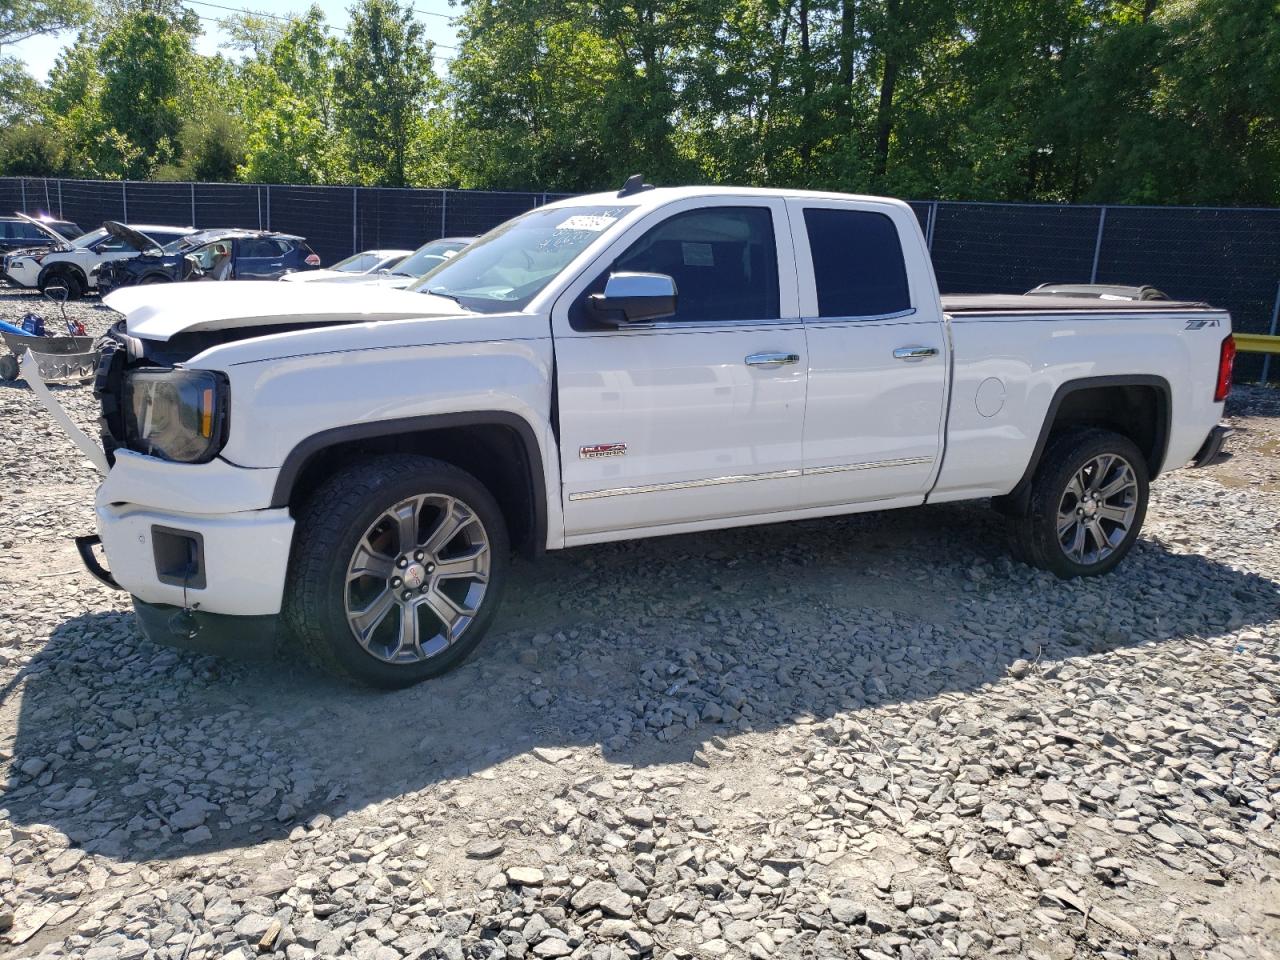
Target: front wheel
<point x="397" y="569"/>
<point x="1088" y="501"/>
<point x="64" y="278"/>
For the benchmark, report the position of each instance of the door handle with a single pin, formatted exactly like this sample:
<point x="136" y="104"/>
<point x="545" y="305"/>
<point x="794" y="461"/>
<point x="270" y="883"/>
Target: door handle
<point x="914" y="353"/>
<point x="771" y="359"/>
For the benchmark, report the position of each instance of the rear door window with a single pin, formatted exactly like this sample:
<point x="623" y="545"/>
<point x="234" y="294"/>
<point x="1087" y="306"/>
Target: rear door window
<point x="258" y="248"/>
<point x="857" y="263"/>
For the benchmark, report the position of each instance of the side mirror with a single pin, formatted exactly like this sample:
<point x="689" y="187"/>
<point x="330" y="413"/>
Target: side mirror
<point x="633" y="298"/>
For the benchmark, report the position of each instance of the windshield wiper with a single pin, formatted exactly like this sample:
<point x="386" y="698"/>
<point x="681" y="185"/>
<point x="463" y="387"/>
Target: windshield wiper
<point x="442" y="292"/>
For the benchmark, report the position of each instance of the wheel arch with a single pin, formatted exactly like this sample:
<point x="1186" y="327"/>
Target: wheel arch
<point x="62" y="266"/>
<point x="499" y="448"/>
<point x="1139" y="406"/>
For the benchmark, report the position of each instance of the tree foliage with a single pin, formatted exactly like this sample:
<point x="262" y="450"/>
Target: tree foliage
<point x="22" y="19"/>
<point x="383" y="78"/>
<point x="1150" y="101"/>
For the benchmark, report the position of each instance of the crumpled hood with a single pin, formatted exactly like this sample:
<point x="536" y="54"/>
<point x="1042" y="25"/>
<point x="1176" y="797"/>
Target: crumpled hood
<point x="159" y="312"/>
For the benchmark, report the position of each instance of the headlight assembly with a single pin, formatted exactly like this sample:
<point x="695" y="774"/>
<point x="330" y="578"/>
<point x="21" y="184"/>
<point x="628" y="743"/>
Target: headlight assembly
<point x="176" y="414"/>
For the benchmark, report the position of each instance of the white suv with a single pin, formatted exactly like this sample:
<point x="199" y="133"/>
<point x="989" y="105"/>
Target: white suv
<point x="70" y="263"/>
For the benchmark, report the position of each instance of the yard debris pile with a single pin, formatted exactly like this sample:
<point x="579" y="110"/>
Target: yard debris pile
<point x="871" y="737"/>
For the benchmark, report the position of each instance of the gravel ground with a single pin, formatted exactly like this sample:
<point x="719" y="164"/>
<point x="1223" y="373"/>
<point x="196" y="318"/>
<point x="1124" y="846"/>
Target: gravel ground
<point x="872" y="737"/>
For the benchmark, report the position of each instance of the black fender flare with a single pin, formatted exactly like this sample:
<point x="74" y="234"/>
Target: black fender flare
<point x="308" y="448"/>
<point x="1016" y="499"/>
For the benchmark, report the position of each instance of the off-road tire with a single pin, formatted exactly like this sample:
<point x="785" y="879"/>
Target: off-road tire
<point x="1033" y="535"/>
<point x="64" y="277"/>
<point x="329" y="526"/>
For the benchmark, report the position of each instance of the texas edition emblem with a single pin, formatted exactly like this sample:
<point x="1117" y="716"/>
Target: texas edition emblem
<point x="597" y="450"/>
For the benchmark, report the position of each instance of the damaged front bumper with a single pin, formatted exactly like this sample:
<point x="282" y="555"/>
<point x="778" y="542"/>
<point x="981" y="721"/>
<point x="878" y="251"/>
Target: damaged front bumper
<point x="212" y="582"/>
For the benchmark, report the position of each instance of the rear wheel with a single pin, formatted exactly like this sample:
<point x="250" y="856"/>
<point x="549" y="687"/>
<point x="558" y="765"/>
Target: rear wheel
<point x="1088" y="501"/>
<point x="154" y="278"/>
<point x="397" y="570"/>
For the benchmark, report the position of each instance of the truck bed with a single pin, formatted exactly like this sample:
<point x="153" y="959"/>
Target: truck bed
<point x="969" y="303"/>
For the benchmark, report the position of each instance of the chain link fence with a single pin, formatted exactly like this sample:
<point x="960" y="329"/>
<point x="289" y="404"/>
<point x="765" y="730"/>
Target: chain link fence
<point x="1229" y="257"/>
<point x="337" y="221"/>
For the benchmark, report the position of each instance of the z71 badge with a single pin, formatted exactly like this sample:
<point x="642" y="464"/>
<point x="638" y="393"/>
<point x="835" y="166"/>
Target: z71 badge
<point x="597" y="450"/>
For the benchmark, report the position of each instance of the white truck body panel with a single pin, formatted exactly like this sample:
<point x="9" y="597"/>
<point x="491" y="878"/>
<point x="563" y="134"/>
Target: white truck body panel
<point x="1031" y="359"/>
<point x="643" y="429"/>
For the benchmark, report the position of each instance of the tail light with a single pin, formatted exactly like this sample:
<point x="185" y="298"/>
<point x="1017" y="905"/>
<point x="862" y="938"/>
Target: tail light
<point x="312" y="260"/>
<point x="1226" y="362"/>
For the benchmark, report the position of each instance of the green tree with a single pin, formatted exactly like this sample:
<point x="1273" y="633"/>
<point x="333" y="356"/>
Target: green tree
<point x="529" y="99"/>
<point x="290" y="107"/>
<point x="22" y="19"/>
<point x="31" y="150"/>
<point x="19" y="92"/>
<point x="144" y="62"/>
<point x="385" y="85"/>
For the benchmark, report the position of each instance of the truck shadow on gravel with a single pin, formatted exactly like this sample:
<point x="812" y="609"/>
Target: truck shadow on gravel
<point x="640" y="651"/>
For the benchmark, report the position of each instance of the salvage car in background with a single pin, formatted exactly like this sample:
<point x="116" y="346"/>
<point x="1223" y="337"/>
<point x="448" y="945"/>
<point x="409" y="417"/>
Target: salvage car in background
<point x="220" y="254"/>
<point x="70" y="263"/>
<point x="418" y="264"/>
<point x="18" y="234"/>
<point x="358" y="267"/>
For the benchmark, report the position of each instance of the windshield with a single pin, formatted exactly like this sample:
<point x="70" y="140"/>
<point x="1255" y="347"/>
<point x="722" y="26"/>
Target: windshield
<point x="90" y="238"/>
<point x="363" y="262"/>
<point x="509" y="265"/>
<point x="188" y="242"/>
<point x="427" y="257"/>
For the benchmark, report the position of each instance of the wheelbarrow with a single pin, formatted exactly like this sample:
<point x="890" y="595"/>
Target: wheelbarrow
<point x="68" y="359"/>
<point x="60" y="359"/>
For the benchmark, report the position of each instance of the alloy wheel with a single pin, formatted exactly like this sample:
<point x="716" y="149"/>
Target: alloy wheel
<point x="1097" y="509"/>
<point x="417" y="578"/>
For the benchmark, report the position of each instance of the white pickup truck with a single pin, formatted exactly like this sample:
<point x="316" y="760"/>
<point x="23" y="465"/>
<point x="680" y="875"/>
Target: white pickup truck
<point x="357" y="465"/>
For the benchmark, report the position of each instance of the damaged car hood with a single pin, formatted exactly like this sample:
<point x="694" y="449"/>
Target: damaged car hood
<point x="159" y="312"/>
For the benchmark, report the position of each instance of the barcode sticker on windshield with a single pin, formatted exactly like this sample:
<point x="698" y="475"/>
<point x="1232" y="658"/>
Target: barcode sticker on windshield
<point x="587" y="221"/>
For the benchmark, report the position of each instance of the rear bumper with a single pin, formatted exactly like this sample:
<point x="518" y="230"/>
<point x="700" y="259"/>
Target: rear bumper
<point x="1212" y="448"/>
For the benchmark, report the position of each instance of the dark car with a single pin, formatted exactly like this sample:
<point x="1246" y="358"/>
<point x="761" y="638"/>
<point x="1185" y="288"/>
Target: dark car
<point x="18" y="233"/>
<point x="221" y="254"/>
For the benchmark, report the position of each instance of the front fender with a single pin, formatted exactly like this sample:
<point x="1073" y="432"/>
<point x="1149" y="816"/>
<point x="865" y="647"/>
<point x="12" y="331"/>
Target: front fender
<point x="277" y="404"/>
<point x="285" y="410"/>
